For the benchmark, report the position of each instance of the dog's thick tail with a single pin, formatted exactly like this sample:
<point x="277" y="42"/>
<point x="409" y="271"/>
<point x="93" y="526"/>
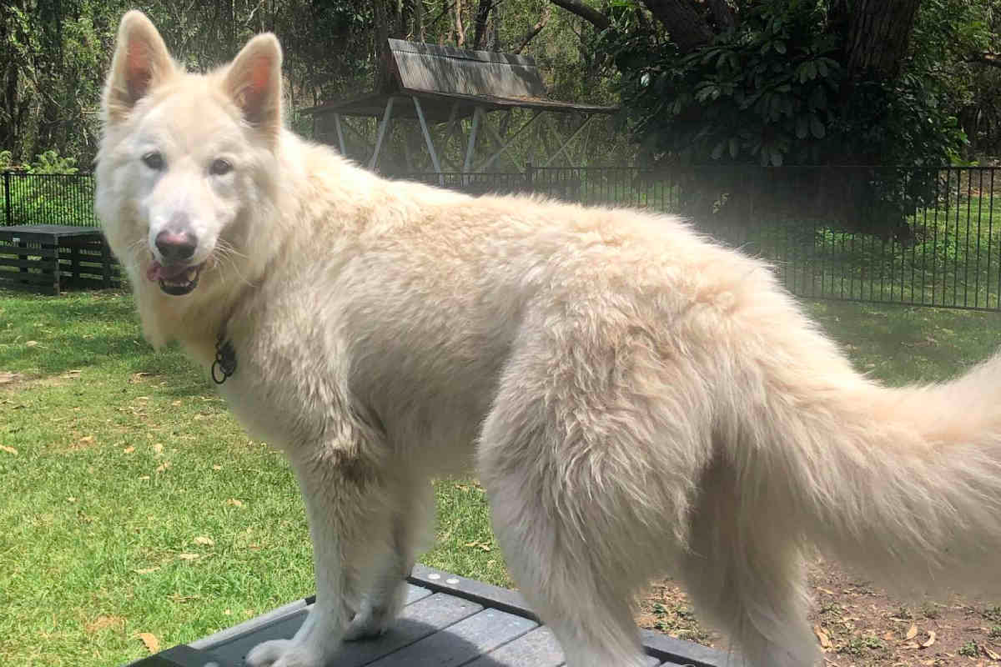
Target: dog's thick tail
<point x="903" y="484"/>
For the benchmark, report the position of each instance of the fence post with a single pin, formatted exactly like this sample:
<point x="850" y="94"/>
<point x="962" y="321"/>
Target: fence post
<point x="8" y="206"/>
<point x="529" y="177"/>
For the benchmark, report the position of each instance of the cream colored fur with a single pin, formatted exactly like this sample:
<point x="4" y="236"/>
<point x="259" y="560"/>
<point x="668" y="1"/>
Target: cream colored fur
<point x="635" y="399"/>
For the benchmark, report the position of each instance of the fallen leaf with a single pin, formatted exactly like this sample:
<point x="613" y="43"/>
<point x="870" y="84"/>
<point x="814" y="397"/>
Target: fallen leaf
<point x="129" y="450"/>
<point x="31" y="343"/>
<point x="201" y="539"/>
<point x="9" y="450"/>
<point x="158" y="448"/>
<point x="234" y="502"/>
<point x="163" y="466"/>
<point x="189" y="556"/>
<point x="86" y="440"/>
<point x="930" y="640"/>
<point x="912" y="632"/>
<point x="888" y="636"/>
<point x="151" y="642"/>
<point x="824" y="590"/>
<point x="217" y="467"/>
<point x="825" y="641"/>
<point x="147" y="570"/>
<point x="143" y="477"/>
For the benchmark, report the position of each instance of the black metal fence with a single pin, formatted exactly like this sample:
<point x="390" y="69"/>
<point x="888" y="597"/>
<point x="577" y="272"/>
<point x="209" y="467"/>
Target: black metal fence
<point x="885" y="235"/>
<point x="48" y="199"/>
<point x="914" y="236"/>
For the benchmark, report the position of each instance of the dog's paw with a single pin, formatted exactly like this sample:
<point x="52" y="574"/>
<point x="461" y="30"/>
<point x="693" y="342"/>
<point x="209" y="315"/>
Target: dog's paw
<point x="282" y="653"/>
<point x="367" y="624"/>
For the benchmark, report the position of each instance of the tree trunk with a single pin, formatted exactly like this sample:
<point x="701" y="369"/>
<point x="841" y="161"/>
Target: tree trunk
<point x="460" y="32"/>
<point x="480" y="23"/>
<point x="535" y="30"/>
<point x="879" y="32"/>
<point x="592" y="16"/>
<point x="684" y="21"/>
<point x="385" y="19"/>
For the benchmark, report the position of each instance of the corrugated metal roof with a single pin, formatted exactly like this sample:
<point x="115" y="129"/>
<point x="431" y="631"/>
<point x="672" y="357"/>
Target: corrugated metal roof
<point x="443" y="75"/>
<point x="440" y="69"/>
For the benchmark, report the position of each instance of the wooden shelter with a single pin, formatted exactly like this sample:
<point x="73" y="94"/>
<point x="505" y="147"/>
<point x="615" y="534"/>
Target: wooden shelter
<point x="441" y="85"/>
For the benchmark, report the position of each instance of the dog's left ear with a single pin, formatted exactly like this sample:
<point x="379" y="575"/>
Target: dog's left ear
<point x="254" y="82"/>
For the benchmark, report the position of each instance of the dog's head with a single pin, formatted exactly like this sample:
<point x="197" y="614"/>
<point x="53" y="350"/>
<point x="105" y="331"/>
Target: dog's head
<point x="186" y="162"/>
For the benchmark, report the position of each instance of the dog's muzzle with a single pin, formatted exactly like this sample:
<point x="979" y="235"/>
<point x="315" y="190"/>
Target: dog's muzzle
<point x="175" y="279"/>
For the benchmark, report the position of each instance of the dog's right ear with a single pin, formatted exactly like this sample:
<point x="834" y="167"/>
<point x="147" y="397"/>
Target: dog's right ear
<point x="141" y="61"/>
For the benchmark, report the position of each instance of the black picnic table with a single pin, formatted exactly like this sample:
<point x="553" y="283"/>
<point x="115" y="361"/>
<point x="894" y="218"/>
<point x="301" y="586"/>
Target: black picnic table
<point x="31" y="254"/>
<point x="448" y="621"/>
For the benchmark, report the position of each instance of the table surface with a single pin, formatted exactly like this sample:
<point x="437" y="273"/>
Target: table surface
<point x="52" y="231"/>
<point x="448" y="621"/>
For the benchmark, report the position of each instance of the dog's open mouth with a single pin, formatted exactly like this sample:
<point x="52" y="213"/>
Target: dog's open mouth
<point x="176" y="280"/>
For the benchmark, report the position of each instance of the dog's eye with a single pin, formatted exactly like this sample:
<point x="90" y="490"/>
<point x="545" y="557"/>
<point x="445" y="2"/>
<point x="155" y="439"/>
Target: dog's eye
<point x="153" y="160"/>
<point x="220" y="167"/>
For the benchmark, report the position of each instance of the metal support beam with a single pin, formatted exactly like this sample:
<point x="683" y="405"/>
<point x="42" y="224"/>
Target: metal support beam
<point x="449" y="128"/>
<point x="340" y="134"/>
<point x="471" y="144"/>
<point x="382" y="133"/>
<point x="427" y="139"/>
<point x="568" y="141"/>
<point x="361" y="137"/>
<point x="505" y="145"/>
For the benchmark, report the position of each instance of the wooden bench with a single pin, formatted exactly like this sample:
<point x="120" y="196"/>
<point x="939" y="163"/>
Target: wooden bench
<point x="48" y="258"/>
<point x="447" y="621"/>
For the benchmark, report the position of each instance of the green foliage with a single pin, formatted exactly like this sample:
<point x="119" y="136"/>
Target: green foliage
<point x="774" y="91"/>
<point x="47" y="190"/>
<point x="763" y="92"/>
<point x="50" y="162"/>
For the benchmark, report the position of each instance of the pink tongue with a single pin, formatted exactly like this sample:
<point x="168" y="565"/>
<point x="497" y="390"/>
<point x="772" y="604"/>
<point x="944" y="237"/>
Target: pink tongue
<point x="157" y="271"/>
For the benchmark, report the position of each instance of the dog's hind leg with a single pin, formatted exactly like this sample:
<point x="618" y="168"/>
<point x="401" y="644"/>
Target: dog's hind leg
<point x="586" y="604"/>
<point x="745" y="574"/>
<point x="413" y="514"/>
<point x="585" y="503"/>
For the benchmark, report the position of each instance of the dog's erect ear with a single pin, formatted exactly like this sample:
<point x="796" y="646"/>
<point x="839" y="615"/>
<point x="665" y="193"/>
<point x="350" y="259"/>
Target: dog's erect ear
<point x="141" y="61"/>
<point x="254" y="82"/>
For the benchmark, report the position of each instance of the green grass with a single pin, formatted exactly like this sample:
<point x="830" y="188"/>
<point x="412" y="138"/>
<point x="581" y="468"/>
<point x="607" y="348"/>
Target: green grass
<point x="117" y="461"/>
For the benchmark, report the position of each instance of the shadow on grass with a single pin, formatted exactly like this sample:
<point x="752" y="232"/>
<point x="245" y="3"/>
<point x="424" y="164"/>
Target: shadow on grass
<point x="88" y="330"/>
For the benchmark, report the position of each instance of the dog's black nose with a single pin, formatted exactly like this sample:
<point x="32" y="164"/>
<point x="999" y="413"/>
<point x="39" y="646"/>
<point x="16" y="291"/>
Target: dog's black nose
<point x="176" y="246"/>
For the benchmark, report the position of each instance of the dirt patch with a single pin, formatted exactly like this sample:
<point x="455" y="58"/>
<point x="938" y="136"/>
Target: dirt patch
<point x="8" y="379"/>
<point x="859" y="625"/>
<point x="106" y="623"/>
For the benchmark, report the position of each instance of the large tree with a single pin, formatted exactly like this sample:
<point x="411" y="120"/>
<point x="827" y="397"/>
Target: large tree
<point x="706" y="72"/>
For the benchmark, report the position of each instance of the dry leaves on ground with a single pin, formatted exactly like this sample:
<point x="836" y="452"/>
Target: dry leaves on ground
<point x="150" y="641"/>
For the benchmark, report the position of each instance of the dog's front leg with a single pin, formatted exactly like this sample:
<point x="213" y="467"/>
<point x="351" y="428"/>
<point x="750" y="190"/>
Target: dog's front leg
<point x="347" y="515"/>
